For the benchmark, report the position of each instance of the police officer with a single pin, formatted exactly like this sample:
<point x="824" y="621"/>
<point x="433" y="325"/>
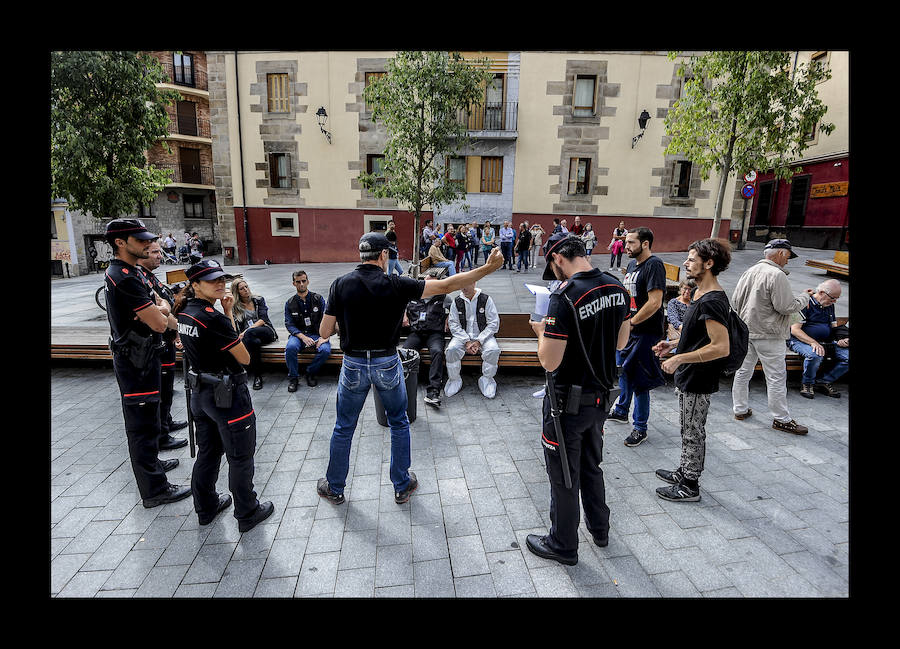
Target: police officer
<point x="368" y="306"/>
<point x="135" y="323"/>
<point x="302" y="316"/>
<point x="427" y="319"/>
<point x="167" y="357"/>
<point x="586" y="321"/>
<point x="220" y="401"/>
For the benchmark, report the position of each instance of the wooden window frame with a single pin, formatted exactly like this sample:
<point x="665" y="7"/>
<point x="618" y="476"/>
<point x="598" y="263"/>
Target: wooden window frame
<point x="145" y="214"/>
<point x="677" y="173"/>
<point x="492" y="174"/>
<point x="278" y="92"/>
<point x="176" y="68"/>
<point x="593" y="106"/>
<point x="456" y="181"/>
<point x="573" y="177"/>
<point x="274" y="179"/>
<point x="370" y="159"/>
<point x="193" y="199"/>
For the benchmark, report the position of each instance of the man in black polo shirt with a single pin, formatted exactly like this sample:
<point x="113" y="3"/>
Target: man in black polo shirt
<point x="587" y="320"/>
<point x="367" y="308"/>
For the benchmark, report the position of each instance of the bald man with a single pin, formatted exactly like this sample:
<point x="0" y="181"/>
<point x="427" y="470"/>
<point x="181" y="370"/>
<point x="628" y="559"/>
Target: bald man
<point x="810" y="337"/>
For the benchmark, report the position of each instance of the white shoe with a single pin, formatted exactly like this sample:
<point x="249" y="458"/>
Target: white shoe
<point x="453" y="386"/>
<point x="540" y="393"/>
<point x="488" y="387"/>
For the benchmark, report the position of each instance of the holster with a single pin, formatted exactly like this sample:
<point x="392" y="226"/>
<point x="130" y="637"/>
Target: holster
<point x="139" y="350"/>
<point x="222" y="384"/>
<point x="571" y="398"/>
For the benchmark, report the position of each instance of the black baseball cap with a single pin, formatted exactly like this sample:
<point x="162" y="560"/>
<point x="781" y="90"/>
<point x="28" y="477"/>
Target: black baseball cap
<point x="206" y="270"/>
<point x="375" y="242"/>
<point x="552" y="243"/>
<point x="781" y="243"/>
<point x="130" y="228"/>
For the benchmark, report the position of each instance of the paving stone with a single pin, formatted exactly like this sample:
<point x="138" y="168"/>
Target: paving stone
<point x="318" y="574"/>
<point x="476" y="586"/>
<point x="63" y="568"/>
<point x="511" y="575"/>
<point x="161" y="581"/>
<point x="85" y="584"/>
<point x="278" y="587"/>
<point x="133" y="569"/>
<point x="209" y="564"/>
<point x="467" y="556"/>
<point x="357" y="582"/>
<point x="433" y="578"/>
<point x="429" y="542"/>
<point x="393" y="566"/>
<point x="240" y="578"/>
<point x="358" y="549"/>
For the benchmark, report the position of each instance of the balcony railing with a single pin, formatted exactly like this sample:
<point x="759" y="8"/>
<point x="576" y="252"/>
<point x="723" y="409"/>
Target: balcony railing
<point x="493" y="116"/>
<point x="188" y="77"/>
<point x="189" y="174"/>
<point x="196" y="126"/>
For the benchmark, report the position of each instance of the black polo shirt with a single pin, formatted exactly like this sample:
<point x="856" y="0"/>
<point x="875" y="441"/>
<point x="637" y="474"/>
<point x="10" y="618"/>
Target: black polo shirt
<point x="158" y="287"/>
<point x="369" y="307"/>
<point x="207" y="335"/>
<point x="601" y="304"/>
<point x="127" y="293"/>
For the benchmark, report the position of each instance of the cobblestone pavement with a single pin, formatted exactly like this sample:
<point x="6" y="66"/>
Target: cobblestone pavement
<point x="773" y="520"/>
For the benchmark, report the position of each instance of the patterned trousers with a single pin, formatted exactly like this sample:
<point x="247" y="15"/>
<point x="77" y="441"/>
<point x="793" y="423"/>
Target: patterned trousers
<point x="694" y="408"/>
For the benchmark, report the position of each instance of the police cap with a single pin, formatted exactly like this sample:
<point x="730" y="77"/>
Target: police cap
<point x="552" y="243"/>
<point x="206" y="270"/>
<point x="129" y="228"/>
<point x="375" y="242"/>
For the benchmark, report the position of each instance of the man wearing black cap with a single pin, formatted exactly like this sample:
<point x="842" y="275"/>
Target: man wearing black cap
<point x="136" y="322"/>
<point x="586" y="321"/>
<point x="220" y="401"/>
<point x="367" y="307"/>
<point x="764" y="300"/>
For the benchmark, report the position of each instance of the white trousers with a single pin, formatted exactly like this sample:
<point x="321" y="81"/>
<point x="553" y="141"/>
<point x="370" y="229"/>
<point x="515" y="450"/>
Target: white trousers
<point x="456" y="349"/>
<point x="770" y="352"/>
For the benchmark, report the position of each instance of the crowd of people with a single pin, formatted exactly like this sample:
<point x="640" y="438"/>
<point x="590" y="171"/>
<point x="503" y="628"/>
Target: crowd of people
<point x="607" y="341"/>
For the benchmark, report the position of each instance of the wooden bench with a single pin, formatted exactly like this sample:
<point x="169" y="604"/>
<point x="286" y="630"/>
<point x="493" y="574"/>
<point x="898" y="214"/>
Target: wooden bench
<point x="840" y="265"/>
<point x="673" y="277"/>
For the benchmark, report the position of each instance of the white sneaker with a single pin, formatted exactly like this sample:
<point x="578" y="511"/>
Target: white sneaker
<point x="540" y="393"/>
<point x="488" y="387"/>
<point x="453" y="386"/>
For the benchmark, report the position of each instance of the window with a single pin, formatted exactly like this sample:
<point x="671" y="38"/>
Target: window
<point x="456" y="172"/>
<point x="53" y="224"/>
<point x="579" y="175"/>
<point x="375" y="167"/>
<point x="810" y="135"/>
<point x="372" y="77"/>
<point x="492" y="175"/>
<point x="279" y="170"/>
<point x="284" y="224"/>
<point x="145" y="211"/>
<point x="279" y="100"/>
<point x="585" y="100"/>
<point x="193" y="207"/>
<point x="681" y="179"/>
<point x="184" y="68"/>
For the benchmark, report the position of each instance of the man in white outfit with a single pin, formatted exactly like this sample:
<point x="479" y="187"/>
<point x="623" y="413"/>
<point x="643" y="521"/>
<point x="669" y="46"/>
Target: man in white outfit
<point x="473" y="323"/>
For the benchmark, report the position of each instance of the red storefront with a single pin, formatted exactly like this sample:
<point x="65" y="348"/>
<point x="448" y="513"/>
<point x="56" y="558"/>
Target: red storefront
<point x="812" y="211"/>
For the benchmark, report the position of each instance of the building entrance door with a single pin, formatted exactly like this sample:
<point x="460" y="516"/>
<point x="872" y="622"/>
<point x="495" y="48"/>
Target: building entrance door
<point x="190" y="166"/>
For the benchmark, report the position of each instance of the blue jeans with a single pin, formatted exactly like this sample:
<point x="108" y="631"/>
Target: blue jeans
<point x="812" y="361"/>
<point x="641" y="400"/>
<point x="506" y="247"/>
<point x="385" y="374"/>
<point x="394" y="264"/>
<point x="451" y="270"/>
<point x="523" y="259"/>
<point x="294" y="346"/>
<point x="467" y="260"/>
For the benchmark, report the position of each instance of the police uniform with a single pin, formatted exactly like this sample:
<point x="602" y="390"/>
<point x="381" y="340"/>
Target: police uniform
<point x="167" y="370"/>
<point x="304" y="315"/>
<point x="224" y="419"/>
<point x="426" y="323"/>
<point x="136" y="351"/>
<point x="595" y="303"/>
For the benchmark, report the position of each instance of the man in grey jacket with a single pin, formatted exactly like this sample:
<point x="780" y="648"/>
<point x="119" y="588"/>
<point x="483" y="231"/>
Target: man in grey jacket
<point x="764" y="300"/>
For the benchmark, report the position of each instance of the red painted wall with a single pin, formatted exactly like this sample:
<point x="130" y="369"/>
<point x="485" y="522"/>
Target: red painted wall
<point x="832" y="211"/>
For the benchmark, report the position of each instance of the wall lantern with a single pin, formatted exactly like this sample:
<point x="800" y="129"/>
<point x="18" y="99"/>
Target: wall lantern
<point x="322" y="118"/>
<point x="642" y="122"/>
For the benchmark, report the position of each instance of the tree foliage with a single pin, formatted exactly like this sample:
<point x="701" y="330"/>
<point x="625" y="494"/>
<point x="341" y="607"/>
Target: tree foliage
<point x="745" y="110"/>
<point x="420" y="100"/>
<point x="105" y="113"/>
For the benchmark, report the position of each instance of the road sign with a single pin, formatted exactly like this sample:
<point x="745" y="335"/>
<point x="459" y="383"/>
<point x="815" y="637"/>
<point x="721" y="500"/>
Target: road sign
<point x="748" y="191"/>
<point x="750" y="177"/>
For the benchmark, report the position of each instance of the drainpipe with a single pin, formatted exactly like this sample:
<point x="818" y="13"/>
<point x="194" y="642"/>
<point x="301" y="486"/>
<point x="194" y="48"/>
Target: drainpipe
<point x="237" y="85"/>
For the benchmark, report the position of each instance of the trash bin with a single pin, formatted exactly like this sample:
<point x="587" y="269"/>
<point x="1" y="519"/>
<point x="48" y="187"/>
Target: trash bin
<point x="410" y="360"/>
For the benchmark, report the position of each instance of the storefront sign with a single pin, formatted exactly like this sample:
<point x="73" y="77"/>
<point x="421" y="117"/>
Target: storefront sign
<point x="827" y="190"/>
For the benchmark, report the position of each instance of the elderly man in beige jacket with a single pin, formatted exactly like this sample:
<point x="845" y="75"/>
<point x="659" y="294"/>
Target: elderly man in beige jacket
<point x="764" y="300"/>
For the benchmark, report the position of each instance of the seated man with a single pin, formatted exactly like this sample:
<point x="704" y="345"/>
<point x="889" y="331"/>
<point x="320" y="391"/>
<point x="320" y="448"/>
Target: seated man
<point x="302" y="316"/>
<point x="426" y="320"/>
<point x="809" y="337"/>
<point x="438" y="259"/>
<point x="473" y="322"/>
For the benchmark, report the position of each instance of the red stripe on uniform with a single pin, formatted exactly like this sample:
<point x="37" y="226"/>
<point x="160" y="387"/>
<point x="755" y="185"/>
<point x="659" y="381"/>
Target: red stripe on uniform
<point x="230" y="345"/>
<point x="167" y="365"/>
<point x="549" y="442"/>
<point x="142" y="307"/>
<point x="239" y="418"/>
<point x="594" y="289"/>
<point x="110" y="279"/>
<point x="194" y="319"/>
<point x="548" y="333"/>
<point x="141" y="394"/>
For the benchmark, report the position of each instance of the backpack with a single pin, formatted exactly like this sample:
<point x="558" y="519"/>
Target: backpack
<point x="738" y="339"/>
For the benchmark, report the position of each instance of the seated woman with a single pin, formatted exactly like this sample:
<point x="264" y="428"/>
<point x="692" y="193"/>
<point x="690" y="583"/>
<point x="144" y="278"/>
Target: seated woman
<point x="676" y="308"/>
<point x="251" y="315"/>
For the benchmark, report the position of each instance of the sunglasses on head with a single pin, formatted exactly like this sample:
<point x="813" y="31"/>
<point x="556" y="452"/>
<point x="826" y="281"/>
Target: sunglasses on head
<point x="178" y="287"/>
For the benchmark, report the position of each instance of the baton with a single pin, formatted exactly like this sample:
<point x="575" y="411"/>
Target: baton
<point x="187" y="395"/>
<point x="554" y="415"/>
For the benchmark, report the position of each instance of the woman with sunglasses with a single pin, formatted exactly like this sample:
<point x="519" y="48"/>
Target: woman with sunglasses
<point x="251" y="315"/>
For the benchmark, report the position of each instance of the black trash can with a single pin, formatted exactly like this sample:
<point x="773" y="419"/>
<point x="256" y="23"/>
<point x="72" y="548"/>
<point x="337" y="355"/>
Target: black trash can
<point x="410" y="360"/>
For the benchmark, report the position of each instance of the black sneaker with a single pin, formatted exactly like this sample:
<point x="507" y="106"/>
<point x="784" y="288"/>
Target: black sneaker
<point x="827" y="388"/>
<point x="806" y="390"/>
<point x="325" y="491"/>
<point x="433" y="399"/>
<point x="401" y="497"/>
<point x="635" y="438"/>
<point x="292" y="384"/>
<point x="679" y="493"/>
<point x="672" y="477"/>
<point x="616" y="416"/>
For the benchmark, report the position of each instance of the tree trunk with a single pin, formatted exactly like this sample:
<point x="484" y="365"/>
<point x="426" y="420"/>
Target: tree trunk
<point x="416" y="243"/>
<point x="723" y="180"/>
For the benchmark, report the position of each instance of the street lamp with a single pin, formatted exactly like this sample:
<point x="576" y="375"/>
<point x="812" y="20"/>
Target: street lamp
<point x="322" y="118"/>
<point x="642" y="122"/>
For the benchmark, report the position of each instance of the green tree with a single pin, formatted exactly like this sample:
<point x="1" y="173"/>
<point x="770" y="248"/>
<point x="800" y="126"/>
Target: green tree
<point x="421" y="100"/>
<point x="105" y="113"/>
<point x="742" y="111"/>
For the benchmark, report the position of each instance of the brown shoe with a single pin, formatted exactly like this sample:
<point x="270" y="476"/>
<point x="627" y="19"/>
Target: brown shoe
<point x="790" y="427"/>
<point x="806" y="390"/>
<point x="743" y="415"/>
<point x="828" y="388"/>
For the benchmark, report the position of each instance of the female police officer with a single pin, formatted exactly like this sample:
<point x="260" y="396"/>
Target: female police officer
<point x="220" y="401"/>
